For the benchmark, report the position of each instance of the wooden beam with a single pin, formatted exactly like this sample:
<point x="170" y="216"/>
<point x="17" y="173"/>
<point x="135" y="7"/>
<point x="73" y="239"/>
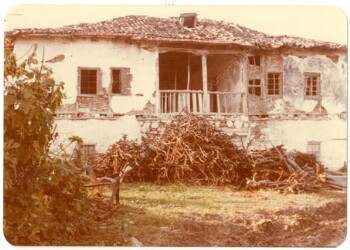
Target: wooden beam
<point x="244" y="79"/>
<point x="157" y="102"/>
<point x="188" y="72"/>
<point x="206" y="100"/>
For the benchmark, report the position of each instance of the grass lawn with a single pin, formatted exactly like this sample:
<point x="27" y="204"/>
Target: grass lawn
<point x="179" y="215"/>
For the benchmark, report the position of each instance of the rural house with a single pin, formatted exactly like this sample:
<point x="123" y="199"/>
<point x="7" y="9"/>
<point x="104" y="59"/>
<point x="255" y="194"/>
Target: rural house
<point x="127" y="75"/>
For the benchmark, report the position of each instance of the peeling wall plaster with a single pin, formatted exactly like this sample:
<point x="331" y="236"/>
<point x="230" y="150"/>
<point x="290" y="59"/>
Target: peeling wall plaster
<point x="333" y="82"/>
<point x="102" y="54"/>
<point x="294" y="134"/>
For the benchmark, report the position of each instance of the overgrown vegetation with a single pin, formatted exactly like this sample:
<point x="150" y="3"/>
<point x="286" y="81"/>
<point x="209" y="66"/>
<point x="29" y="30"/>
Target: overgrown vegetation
<point x="42" y="192"/>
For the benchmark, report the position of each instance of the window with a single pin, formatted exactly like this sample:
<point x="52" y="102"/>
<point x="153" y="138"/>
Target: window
<point x="88" y="81"/>
<point x="120" y="81"/>
<point x="254" y="87"/>
<point x="88" y="150"/>
<point x="274" y="83"/>
<point x="312" y="85"/>
<point x="116" y="81"/>
<point x="314" y="148"/>
<point x="254" y="60"/>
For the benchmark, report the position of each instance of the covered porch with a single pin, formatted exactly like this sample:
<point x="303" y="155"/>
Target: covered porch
<point x="201" y="83"/>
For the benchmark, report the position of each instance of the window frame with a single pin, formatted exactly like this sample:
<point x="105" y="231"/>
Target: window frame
<point x="280" y="84"/>
<point x="254" y="60"/>
<point x="85" y="149"/>
<point x="125" y="81"/>
<point x="98" y="80"/>
<point x="254" y="86"/>
<point x="310" y="148"/>
<point x="120" y="80"/>
<point x="318" y="85"/>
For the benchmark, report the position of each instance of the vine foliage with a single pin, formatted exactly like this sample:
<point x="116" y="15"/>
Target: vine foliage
<point x="42" y="192"/>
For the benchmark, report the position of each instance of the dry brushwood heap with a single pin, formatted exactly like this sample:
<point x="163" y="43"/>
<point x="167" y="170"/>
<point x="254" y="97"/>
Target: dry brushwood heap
<point x="119" y="156"/>
<point x="287" y="172"/>
<point x="191" y="150"/>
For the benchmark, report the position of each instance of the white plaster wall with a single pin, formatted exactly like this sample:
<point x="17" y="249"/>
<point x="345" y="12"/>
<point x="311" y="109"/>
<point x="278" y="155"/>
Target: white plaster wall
<point x="333" y="82"/>
<point x="103" y="133"/>
<point x="295" y="134"/>
<point x="102" y="54"/>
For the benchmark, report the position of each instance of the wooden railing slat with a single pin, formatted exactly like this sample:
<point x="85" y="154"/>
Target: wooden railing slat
<point x="200" y="103"/>
<point x="218" y="103"/>
<point x="194" y="102"/>
<point x="174" y="101"/>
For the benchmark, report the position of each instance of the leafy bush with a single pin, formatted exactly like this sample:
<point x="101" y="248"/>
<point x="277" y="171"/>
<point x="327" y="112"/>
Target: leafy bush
<point x="42" y="193"/>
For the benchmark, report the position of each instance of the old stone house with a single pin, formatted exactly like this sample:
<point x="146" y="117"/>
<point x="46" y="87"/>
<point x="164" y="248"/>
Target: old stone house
<point x="127" y="75"/>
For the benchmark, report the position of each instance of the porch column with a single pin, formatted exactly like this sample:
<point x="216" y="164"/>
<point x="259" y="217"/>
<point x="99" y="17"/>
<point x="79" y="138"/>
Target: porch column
<point x="244" y="79"/>
<point x="205" y="84"/>
<point x="157" y="101"/>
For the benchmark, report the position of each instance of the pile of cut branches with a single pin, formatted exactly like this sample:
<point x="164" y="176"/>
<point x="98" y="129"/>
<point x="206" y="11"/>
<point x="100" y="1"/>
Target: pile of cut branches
<point x="287" y="172"/>
<point x="119" y="156"/>
<point x="191" y="150"/>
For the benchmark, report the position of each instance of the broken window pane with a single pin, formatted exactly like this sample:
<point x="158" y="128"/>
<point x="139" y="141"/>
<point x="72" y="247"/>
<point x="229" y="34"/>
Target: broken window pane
<point x="254" y="60"/>
<point x="257" y="60"/>
<point x="88" y="81"/>
<point x="251" y="60"/>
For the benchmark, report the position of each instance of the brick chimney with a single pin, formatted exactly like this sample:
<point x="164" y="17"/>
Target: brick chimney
<point x="188" y="20"/>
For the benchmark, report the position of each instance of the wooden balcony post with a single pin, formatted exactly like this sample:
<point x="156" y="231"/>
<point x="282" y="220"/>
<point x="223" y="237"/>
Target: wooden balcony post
<point x="205" y="84"/>
<point x="157" y="102"/>
<point x="244" y="76"/>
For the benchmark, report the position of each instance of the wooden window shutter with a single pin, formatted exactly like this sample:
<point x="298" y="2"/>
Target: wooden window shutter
<point x="126" y="78"/>
<point x="99" y="82"/>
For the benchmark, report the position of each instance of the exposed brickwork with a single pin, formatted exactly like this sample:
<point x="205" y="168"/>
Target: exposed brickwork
<point x="67" y="108"/>
<point x="93" y="103"/>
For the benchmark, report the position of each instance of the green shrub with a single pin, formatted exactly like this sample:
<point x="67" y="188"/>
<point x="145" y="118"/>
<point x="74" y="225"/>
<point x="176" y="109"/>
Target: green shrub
<point x="42" y="193"/>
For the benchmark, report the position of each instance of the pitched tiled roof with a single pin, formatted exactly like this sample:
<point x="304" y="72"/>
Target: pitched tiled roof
<point x="169" y="30"/>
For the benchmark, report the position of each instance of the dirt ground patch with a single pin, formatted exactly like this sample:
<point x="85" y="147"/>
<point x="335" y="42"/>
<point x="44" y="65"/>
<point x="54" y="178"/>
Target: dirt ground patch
<point x="310" y="227"/>
<point x="178" y="215"/>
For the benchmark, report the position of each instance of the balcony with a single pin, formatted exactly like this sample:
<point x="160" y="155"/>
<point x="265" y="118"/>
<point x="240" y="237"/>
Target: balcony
<point x="198" y="102"/>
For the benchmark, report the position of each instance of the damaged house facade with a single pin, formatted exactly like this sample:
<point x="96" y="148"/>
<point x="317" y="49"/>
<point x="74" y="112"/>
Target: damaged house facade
<point x="127" y="75"/>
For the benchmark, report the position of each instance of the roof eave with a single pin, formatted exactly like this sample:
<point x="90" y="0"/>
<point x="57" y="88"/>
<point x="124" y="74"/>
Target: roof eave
<point x="167" y="42"/>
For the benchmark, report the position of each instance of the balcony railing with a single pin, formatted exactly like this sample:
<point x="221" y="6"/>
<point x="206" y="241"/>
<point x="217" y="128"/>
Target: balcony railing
<point x="226" y="102"/>
<point x="174" y="101"/>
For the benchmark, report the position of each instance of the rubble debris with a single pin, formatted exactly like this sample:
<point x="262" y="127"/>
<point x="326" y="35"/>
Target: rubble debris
<point x="192" y="151"/>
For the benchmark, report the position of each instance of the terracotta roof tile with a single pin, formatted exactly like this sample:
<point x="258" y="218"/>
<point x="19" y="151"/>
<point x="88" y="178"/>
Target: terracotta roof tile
<point x="157" y="29"/>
